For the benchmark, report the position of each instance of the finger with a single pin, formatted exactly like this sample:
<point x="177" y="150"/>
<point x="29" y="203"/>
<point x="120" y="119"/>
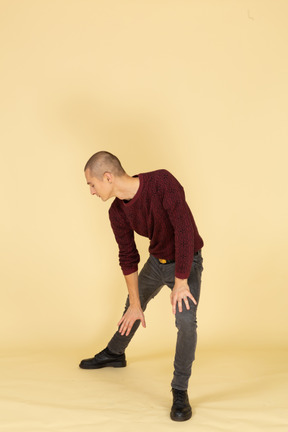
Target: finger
<point x="192" y="298"/>
<point x="122" y="329"/>
<point x="125" y="330"/>
<point x="180" y="305"/>
<point x="143" y="322"/>
<point x="128" y="330"/>
<point x="186" y="302"/>
<point x="120" y="322"/>
<point x="173" y="301"/>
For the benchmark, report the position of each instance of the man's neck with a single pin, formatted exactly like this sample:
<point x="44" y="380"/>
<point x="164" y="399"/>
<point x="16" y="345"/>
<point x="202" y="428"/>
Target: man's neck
<point x="126" y="187"/>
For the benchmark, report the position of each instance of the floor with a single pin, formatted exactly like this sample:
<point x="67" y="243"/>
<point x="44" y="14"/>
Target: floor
<point x="231" y="390"/>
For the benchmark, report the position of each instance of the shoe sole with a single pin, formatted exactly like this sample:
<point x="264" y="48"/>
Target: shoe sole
<point x="101" y="366"/>
<point x="179" y="419"/>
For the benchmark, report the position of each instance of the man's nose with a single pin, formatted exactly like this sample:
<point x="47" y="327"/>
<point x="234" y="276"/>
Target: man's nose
<point x="92" y="191"/>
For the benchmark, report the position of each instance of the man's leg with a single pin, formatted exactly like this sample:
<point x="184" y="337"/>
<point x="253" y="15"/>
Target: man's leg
<point x="150" y="283"/>
<point x="186" y="323"/>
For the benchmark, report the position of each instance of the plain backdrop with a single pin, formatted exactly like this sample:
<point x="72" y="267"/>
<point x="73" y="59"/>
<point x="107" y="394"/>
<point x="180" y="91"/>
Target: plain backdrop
<point x="197" y="87"/>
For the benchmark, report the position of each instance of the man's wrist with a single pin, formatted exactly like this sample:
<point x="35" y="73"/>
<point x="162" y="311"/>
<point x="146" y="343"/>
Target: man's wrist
<point x="135" y="304"/>
<point x="180" y="281"/>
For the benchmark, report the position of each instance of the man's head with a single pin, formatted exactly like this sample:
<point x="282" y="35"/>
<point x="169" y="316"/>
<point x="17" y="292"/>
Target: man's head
<point x="102" y="162"/>
<point x="100" y="172"/>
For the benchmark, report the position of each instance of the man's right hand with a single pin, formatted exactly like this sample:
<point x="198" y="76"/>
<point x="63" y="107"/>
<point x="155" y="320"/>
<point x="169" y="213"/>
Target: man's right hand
<point x="132" y="314"/>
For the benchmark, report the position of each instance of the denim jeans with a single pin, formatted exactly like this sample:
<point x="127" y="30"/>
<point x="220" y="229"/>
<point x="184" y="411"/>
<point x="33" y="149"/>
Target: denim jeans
<point x="152" y="278"/>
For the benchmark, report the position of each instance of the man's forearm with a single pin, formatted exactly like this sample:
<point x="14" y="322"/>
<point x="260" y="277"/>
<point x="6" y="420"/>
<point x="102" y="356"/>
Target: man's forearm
<point x="132" y="286"/>
<point x="134" y="312"/>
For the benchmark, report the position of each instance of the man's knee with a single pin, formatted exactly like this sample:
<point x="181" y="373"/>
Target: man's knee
<point x="186" y="320"/>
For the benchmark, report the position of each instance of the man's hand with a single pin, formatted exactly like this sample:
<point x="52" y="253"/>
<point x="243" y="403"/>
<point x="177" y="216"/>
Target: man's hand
<point x="181" y="293"/>
<point x="132" y="314"/>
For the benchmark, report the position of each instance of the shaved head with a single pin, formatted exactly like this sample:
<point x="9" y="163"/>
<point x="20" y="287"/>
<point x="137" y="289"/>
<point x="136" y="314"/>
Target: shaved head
<point x="102" y="162"/>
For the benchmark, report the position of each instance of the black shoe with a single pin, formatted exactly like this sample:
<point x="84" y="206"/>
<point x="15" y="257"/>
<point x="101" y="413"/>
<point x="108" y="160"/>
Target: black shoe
<point x="104" y="359"/>
<point x="181" y="409"/>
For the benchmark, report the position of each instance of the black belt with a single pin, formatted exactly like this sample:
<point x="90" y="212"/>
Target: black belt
<point x="164" y="261"/>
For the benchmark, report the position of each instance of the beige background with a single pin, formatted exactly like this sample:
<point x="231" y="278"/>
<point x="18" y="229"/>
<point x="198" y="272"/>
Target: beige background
<point x="197" y="87"/>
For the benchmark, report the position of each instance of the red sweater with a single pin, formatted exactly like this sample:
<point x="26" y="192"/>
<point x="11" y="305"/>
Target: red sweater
<point x="157" y="211"/>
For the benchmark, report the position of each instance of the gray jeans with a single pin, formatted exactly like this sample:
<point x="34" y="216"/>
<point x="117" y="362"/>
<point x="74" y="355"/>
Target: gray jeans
<point x="152" y="278"/>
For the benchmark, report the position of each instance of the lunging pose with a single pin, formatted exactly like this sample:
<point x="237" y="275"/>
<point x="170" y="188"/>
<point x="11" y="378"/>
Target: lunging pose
<point x="153" y="205"/>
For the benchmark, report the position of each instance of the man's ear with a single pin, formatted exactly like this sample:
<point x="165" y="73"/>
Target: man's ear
<point x="107" y="176"/>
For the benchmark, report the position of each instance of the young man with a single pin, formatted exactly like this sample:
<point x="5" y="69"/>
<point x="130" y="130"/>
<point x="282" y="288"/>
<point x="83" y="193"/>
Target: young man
<point x="153" y="205"/>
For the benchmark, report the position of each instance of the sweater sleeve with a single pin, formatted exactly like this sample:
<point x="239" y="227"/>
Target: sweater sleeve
<point x="124" y="235"/>
<point x="182" y="221"/>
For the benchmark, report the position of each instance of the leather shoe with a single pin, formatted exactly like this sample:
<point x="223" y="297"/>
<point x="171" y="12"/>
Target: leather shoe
<point x="181" y="409"/>
<point x="104" y="359"/>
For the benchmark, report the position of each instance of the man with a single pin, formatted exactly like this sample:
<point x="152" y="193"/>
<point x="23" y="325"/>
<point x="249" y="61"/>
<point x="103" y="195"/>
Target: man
<point x="153" y="205"/>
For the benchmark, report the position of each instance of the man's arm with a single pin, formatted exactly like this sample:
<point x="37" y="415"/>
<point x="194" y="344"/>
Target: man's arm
<point x="124" y="236"/>
<point x="181" y="219"/>
<point x="134" y="312"/>
<point x="183" y="224"/>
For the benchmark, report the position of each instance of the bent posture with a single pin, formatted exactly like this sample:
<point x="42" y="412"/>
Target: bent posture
<point x="153" y="205"/>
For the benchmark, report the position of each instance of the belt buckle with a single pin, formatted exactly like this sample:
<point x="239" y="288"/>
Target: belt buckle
<point x="162" y="261"/>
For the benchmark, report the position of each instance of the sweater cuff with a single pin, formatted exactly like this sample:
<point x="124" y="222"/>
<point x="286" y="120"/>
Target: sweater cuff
<point x="129" y="270"/>
<point x="182" y="275"/>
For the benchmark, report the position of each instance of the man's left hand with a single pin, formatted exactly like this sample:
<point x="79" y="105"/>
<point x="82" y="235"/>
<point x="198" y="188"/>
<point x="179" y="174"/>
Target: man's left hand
<point x="181" y="292"/>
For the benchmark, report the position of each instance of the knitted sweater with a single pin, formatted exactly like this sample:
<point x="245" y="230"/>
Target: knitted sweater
<point x="158" y="211"/>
